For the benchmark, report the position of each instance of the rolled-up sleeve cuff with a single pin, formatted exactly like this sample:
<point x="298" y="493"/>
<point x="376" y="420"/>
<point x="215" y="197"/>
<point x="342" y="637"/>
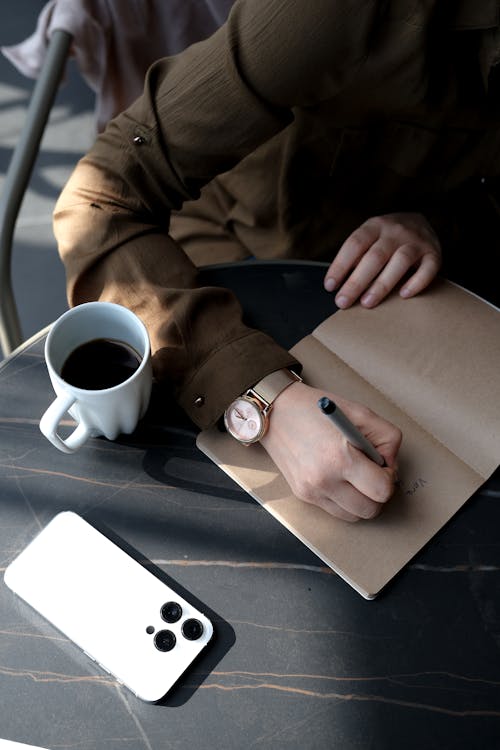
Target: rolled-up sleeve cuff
<point x="228" y="373"/>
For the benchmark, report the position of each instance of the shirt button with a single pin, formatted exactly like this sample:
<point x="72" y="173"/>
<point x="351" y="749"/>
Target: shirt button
<point x="199" y="401"/>
<point x="483" y="180"/>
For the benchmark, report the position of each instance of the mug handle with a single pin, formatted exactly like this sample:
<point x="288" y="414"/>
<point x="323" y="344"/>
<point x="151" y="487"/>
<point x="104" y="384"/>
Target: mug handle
<point x="50" y="422"/>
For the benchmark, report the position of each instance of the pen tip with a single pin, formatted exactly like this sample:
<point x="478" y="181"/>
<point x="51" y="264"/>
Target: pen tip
<point x="326" y="405"/>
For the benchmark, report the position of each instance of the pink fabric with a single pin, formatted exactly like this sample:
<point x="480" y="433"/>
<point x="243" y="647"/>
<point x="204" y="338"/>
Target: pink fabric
<point x="115" y="42"/>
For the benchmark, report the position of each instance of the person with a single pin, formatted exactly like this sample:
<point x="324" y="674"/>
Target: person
<point x="356" y="132"/>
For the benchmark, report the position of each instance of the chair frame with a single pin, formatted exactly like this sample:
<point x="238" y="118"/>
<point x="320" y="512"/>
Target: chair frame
<point x="18" y="175"/>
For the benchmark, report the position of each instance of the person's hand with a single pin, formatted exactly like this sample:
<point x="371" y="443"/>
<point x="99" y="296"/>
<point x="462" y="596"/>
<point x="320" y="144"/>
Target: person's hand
<point x="319" y="464"/>
<point x="379" y="254"/>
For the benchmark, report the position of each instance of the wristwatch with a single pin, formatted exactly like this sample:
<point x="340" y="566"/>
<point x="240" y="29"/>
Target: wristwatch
<point x="247" y="417"/>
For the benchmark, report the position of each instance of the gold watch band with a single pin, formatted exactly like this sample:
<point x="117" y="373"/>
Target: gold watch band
<point x="269" y="388"/>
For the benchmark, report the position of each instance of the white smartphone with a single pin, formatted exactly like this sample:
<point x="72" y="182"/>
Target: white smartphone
<point x="122" y="615"/>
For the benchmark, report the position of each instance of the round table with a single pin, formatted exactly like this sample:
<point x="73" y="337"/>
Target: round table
<point x="300" y="660"/>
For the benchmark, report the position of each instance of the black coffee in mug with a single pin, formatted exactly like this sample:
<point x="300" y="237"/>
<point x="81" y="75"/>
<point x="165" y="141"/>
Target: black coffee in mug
<point x="99" y="364"/>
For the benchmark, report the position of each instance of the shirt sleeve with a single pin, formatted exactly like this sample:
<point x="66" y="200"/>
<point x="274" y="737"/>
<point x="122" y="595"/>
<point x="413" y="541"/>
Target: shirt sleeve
<point x="201" y="112"/>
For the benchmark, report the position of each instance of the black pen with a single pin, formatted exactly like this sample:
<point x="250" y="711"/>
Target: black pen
<point x="346" y="427"/>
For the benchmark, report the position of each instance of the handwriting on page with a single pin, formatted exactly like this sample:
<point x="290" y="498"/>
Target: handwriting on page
<point x="414" y="486"/>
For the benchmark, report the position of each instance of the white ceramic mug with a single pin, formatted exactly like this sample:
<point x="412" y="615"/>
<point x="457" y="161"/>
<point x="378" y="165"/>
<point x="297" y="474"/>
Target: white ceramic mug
<point x="107" y="411"/>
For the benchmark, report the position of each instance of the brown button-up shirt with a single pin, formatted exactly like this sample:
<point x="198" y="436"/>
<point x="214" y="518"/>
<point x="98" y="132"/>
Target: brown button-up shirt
<point x="302" y="118"/>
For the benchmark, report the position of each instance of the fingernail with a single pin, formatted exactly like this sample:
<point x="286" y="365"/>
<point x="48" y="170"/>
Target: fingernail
<point x="330" y="284"/>
<point x="341" y="301"/>
<point x="405" y="291"/>
<point x="368" y="299"/>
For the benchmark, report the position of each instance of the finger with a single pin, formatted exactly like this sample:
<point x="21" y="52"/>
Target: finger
<point x="349" y="254"/>
<point x="333" y="509"/>
<point x="397" y="266"/>
<point x="368" y="268"/>
<point x="369" y="481"/>
<point x="386" y="438"/>
<point x="423" y="276"/>
<point x="352" y="502"/>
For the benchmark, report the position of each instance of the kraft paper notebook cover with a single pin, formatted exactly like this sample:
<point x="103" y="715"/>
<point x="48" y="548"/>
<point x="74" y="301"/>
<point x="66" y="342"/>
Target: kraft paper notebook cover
<point x="431" y="365"/>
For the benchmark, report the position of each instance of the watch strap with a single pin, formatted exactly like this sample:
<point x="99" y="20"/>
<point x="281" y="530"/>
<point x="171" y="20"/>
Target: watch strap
<point x="269" y="388"/>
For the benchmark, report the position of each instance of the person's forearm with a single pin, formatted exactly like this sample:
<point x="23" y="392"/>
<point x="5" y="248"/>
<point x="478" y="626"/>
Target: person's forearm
<point x="201" y="113"/>
<point x="199" y="342"/>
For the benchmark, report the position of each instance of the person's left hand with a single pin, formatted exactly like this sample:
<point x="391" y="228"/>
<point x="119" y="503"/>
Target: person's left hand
<point x="377" y="255"/>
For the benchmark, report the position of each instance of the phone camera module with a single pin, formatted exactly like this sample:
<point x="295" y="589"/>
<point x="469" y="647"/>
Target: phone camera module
<point x="171" y="612"/>
<point x="164" y="640"/>
<point x="192" y="629"/>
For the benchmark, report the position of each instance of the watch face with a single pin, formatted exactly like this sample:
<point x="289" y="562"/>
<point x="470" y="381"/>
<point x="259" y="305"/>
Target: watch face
<point x="244" y="420"/>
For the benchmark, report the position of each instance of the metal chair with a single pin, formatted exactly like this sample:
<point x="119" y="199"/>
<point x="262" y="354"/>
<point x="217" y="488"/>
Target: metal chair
<point x="18" y="175"/>
<point x="167" y="33"/>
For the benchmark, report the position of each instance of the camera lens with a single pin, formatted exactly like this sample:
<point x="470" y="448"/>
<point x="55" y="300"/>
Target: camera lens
<point x="192" y="629"/>
<point x="164" y="640"/>
<point x="171" y="612"/>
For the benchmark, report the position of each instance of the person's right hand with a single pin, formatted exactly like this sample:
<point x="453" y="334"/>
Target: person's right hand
<point x="319" y="464"/>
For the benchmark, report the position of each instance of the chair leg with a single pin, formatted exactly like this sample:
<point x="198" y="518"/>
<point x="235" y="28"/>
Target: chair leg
<point x="18" y="175"/>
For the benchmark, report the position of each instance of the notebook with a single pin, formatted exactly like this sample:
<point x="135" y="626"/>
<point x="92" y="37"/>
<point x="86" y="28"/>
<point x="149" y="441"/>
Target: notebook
<point x="431" y="365"/>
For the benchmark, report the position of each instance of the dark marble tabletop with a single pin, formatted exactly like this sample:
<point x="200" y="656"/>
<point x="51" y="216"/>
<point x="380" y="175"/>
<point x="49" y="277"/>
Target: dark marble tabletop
<point x="300" y="660"/>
